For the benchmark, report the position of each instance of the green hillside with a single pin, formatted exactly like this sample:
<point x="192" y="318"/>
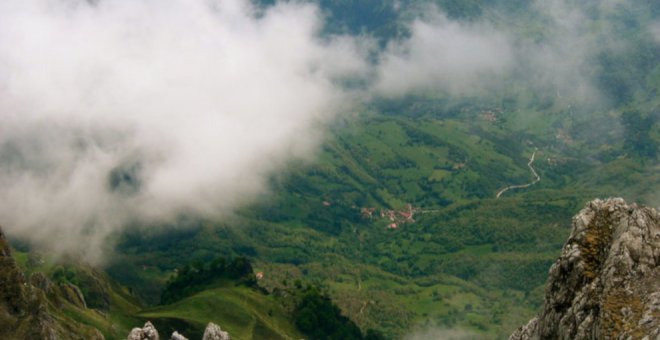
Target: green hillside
<point x="243" y="312"/>
<point x="466" y="259"/>
<point x="396" y="217"/>
<point x="80" y="296"/>
<point x="82" y="299"/>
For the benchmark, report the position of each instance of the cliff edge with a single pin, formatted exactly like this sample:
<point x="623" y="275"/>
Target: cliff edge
<point x="25" y="311"/>
<point x="606" y="283"/>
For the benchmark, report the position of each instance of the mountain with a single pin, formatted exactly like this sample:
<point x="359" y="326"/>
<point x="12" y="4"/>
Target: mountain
<point x="42" y="298"/>
<point x="606" y="283"/>
<point x="27" y="310"/>
<point x="482" y="260"/>
<point x="402" y="216"/>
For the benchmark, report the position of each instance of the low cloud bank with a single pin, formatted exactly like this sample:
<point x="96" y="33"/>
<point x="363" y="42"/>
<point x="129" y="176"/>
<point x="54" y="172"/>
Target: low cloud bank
<point x="655" y="31"/>
<point x="143" y="110"/>
<point x="119" y="111"/>
<point x="444" y="55"/>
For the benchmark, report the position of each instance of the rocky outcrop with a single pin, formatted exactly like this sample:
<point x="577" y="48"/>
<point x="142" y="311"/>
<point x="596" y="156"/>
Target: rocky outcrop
<point x="148" y="332"/>
<point x="606" y="283"/>
<point x="213" y="332"/>
<point x="24" y="307"/>
<point x="97" y="295"/>
<point x="177" y="336"/>
<point x="73" y="295"/>
<point x="5" y="250"/>
<point x="12" y="281"/>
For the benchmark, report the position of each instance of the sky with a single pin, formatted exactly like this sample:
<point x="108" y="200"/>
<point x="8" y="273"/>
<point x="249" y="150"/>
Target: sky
<point x="121" y="112"/>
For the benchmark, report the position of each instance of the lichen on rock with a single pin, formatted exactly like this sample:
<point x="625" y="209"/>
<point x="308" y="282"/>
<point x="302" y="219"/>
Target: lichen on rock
<point x="24" y="306"/>
<point x="214" y="332"/>
<point x="177" y="336"/>
<point x="148" y="332"/>
<point x="606" y="283"/>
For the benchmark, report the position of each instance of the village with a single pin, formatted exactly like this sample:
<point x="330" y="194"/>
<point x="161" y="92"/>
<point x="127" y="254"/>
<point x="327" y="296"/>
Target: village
<point x="395" y="217"/>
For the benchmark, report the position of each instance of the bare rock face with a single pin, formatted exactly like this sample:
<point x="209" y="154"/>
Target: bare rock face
<point x="5" y="251"/>
<point x="13" y="289"/>
<point x="606" y="283"/>
<point x="73" y="294"/>
<point x="148" y="332"/>
<point x="24" y="307"/>
<point x="213" y="332"/>
<point x="177" y="336"/>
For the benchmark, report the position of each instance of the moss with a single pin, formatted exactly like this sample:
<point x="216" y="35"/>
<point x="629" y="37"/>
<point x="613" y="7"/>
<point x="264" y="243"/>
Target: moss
<point x="615" y="322"/>
<point x="595" y="244"/>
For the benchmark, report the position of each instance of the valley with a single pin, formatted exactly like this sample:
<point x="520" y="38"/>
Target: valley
<point x="404" y="232"/>
<point x="354" y="170"/>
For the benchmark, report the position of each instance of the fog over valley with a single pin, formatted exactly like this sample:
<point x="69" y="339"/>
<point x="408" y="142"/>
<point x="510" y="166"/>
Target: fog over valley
<point x="325" y="169"/>
<point x="120" y="111"/>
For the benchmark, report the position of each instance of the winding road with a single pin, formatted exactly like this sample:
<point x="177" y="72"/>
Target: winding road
<point x="537" y="178"/>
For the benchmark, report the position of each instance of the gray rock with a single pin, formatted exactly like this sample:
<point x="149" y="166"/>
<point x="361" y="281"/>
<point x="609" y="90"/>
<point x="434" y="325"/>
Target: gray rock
<point x="41" y="281"/>
<point x="5" y="250"/>
<point x="24" y="307"/>
<point x="73" y="294"/>
<point x="213" y="332"/>
<point x="177" y="336"/>
<point x="13" y="288"/>
<point x="606" y="283"/>
<point x="148" y="332"/>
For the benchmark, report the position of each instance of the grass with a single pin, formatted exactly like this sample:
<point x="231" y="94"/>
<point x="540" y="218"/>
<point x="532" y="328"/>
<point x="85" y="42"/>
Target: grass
<point x="243" y="312"/>
<point x="476" y="262"/>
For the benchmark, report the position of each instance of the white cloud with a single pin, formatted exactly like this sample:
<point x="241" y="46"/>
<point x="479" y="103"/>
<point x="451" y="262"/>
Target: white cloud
<point x="146" y="109"/>
<point x="655" y="30"/>
<point x="197" y="102"/>
<point x="444" y="55"/>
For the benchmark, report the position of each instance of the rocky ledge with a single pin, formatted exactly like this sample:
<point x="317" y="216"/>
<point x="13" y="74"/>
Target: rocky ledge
<point x="606" y="283"/>
<point x="25" y="310"/>
<point x="149" y="332"/>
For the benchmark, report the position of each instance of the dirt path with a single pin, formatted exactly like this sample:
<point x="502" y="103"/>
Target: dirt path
<point x="537" y="178"/>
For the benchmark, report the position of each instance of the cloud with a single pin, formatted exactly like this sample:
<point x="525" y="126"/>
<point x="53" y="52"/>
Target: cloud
<point x="561" y="62"/>
<point x="655" y="31"/>
<point x="474" y="58"/>
<point x="443" y="55"/>
<point x="119" y="111"/>
<point x="115" y="111"/>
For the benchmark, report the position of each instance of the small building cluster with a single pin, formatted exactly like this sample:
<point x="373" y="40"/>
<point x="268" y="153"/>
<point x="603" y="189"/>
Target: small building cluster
<point x="395" y="217"/>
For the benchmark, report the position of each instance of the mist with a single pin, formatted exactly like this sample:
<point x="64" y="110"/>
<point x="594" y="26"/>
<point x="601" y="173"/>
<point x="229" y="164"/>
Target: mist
<point x="142" y="110"/>
<point x="655" y="31"/>
<point x="443" y="55"/>
<point x="125" y="112"/>
<point x="553" y="54"/>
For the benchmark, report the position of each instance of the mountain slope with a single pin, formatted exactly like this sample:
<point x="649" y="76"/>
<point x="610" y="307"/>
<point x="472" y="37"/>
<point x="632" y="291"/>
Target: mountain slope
<point x="25" y="310"/>
<point x="243" y="312"/>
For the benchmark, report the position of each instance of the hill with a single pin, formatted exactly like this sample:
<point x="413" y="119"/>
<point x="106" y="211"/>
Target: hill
<point x="400" y="217"/>
<point x="46" y="306"/>
<point x="241" y="311"/>
<point x="465" y="258"/>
